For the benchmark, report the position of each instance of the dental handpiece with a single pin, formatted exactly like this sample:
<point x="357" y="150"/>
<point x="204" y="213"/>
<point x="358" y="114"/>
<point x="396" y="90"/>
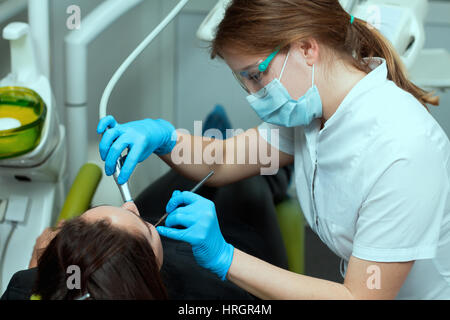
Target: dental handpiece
<point x="198" y="186"/>
<point x="124" y="189"/>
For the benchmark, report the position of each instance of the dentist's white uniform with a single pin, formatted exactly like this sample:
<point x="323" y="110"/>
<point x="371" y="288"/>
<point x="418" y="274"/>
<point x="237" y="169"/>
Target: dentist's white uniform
<point x="375" y="182"/>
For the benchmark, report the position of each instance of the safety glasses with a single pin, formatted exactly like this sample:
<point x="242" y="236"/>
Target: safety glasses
<point x="252" y="79"/>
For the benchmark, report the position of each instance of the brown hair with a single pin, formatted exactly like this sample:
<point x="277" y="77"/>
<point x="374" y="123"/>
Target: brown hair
<point x="260" y="26"/>
<point x="114" y="263"/>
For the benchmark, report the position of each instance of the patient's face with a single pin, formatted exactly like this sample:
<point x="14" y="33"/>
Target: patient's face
<point x="127" y="217"/>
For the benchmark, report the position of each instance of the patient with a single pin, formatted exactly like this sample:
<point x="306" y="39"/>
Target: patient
<point x="121" y="256"/>
<point x="118" y="253"/>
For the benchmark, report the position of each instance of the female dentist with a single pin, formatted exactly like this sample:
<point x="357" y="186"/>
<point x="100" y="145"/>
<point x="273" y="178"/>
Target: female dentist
<point x="372" y="166"/>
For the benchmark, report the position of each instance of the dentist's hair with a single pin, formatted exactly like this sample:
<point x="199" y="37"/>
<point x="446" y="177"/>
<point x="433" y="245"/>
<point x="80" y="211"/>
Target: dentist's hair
<point x="259" y="26"/>
<point x="114" y="264"/>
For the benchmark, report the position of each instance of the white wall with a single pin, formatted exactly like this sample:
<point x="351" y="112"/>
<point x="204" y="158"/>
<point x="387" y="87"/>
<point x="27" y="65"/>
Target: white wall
<point x="201" y="83"/>
<point x="58" y="31"/>
<point x="438" y="36"/>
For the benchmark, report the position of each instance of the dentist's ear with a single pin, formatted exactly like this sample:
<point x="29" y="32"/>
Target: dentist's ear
<point x="130" y="205"/>
<point x="309" y="50"/>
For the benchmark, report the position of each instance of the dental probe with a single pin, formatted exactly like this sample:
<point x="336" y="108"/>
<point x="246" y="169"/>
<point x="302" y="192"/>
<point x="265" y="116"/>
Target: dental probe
<point x="193" y="191"/>
<point x="124" y="189"/>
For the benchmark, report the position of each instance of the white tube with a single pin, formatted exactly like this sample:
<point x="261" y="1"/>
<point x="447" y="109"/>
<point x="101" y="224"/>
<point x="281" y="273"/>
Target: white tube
<point x="135" y="54"/>
<point x="77" y="140"/>
<point x="76" y="46"/>
<point x="9" y="9"/>
<point x="39" y="21"/>
<point x="76" y="74"/>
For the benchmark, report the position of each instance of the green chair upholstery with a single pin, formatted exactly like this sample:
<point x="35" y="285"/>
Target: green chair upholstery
<point x="292" y="226"/>
<point x="80" y="196"/>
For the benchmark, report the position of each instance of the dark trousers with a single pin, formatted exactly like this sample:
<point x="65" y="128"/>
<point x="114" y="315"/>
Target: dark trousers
<point x="247" y="217"/>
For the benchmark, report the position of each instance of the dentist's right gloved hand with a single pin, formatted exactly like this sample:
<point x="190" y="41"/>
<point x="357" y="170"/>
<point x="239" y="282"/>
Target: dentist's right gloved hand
<point x="142" y="138"/>
<point x="199" y="217"/>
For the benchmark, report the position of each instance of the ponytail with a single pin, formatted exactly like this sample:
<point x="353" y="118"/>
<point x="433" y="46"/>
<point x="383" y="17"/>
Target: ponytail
<point x="364" y="41"/>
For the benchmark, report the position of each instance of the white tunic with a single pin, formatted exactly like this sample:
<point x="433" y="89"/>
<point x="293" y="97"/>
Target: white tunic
<point x="375" y="182"/>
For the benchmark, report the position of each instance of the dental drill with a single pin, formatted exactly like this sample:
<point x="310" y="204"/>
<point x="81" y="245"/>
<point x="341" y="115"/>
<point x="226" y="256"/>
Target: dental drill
<point x="123" y="188"/>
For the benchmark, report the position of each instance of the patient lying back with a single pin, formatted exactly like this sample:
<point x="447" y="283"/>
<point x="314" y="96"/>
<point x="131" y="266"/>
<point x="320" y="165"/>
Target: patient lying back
<point x="114" y="253"/>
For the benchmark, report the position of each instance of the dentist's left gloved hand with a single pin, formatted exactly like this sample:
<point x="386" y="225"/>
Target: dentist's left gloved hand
<point x="199" y="217"/>
<point x="142" y="138"/>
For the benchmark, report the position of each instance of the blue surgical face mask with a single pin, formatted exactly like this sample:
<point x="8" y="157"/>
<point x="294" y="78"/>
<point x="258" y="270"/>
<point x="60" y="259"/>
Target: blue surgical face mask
<point x="276" y="106"/>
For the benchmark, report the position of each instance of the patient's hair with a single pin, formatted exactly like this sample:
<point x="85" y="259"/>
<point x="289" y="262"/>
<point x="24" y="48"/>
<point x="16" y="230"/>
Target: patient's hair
<point x="114" y="264"/>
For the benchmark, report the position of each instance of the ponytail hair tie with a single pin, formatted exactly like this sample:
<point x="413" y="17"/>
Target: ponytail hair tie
<point x="352" y="19"/>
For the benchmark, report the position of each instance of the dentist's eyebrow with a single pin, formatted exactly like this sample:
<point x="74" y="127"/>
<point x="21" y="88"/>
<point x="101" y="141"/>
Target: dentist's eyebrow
<point x="252" y="66"/>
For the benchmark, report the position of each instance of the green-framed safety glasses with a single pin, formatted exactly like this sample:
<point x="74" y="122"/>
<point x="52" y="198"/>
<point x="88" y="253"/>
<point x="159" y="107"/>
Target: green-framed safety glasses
<point x="251" y="78"/>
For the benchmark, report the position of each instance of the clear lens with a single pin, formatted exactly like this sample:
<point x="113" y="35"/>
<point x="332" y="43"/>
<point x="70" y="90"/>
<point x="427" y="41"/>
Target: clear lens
<point x="254" y="81"/>
<point x="261" y="93"/>
<point x="241" y="81"/>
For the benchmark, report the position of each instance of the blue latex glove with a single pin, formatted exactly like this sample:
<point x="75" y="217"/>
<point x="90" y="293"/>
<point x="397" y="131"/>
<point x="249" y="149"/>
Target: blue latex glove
<point x="142" y="138"/>
<point x="198" y="216"/>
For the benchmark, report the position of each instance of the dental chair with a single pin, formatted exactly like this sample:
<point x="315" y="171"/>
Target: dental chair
<point x="292" y="227"/>
<point x="289" y="214"/>
<point x="79" y="198"/>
